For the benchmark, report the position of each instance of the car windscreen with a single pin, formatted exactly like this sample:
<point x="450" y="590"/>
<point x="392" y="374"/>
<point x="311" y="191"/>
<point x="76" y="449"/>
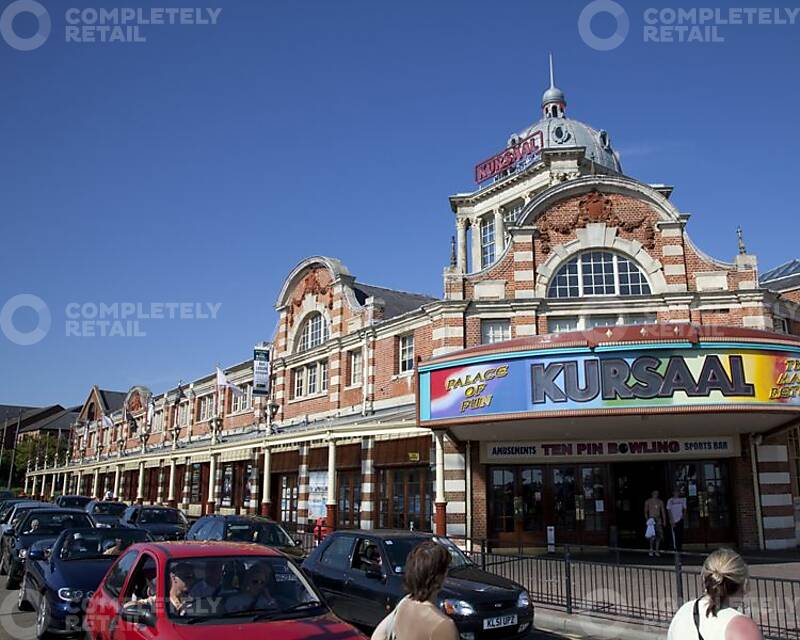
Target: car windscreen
<point x="160" y="516"/>
<point x="236" y="588"/>
<point x="267" y="533"/>
<point x="19" y="515"/>
<point x="74" y="502"/>
<point x="99" y="543"/>
<point x="109" y="509"/>
<point x="48" y="523"/>
<point x="398" y="549"/>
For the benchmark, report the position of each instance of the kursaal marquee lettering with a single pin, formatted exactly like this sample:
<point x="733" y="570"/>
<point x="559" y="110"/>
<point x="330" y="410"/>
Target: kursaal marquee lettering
<point x="616" y="379"/>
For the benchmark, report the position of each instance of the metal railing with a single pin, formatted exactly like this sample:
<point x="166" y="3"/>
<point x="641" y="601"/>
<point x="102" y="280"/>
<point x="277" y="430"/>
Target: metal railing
<point x="628" y="584"/>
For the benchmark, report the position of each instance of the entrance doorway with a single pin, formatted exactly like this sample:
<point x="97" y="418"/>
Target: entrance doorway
<point x="633" y="484"/>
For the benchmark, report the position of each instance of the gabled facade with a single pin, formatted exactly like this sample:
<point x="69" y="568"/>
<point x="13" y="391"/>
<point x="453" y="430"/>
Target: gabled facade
<point x="556" y="252"/>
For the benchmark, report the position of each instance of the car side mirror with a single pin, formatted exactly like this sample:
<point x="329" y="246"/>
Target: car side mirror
<point x="38" y="554"/>
<point x="298" y="542"/>
<point x="139" y="614"/>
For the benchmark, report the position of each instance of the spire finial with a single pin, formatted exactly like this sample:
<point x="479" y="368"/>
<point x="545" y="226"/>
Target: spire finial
<point x="740" y="238"/>
<point x="553" y="100"/>
<point x="552" y="75"/>
<point x="452" y="252"/>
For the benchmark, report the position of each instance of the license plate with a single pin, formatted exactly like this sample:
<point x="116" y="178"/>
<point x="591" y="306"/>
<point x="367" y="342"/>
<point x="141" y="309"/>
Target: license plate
<point x="500" y="621"/>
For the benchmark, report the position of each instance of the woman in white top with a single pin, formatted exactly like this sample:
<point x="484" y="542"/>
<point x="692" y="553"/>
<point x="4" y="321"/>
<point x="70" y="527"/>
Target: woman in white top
<point x="713" y="616"/>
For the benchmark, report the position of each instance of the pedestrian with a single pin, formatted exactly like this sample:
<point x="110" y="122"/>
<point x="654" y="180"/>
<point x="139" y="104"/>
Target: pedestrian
<point x="416" y="617"/>
<point x="714" y="615"/>
<point x="654" y="510"/>
<point x="676" y="510"/>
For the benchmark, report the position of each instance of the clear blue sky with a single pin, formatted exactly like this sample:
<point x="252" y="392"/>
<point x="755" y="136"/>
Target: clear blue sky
<point x="203" y="164"/>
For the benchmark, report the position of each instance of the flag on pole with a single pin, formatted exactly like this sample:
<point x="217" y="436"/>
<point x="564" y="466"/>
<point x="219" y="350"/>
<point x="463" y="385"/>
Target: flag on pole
<point x="222" y="381"/>
<point x="107" y="422"/>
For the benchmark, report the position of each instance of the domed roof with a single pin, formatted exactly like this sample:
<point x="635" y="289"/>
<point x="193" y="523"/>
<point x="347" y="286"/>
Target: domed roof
<point x="553" y="94"/>
<point x="561" y="133"/>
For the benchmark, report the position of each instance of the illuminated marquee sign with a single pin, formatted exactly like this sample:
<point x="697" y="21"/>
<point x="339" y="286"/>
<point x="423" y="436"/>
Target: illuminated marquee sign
<point x="527" y="148"/>
<point x="542" y="383"/>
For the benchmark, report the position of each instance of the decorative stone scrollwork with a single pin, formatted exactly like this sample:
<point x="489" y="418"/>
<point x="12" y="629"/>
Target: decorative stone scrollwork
<point x="311" y="286"/>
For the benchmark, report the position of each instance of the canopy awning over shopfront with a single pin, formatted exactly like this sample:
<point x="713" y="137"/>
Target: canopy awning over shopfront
<point x="673" y="382"/>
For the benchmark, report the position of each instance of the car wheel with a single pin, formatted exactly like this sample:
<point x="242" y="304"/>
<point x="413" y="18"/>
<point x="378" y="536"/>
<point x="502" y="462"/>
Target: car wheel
<point x="22" y="600"/>
<point x="43" y="619"/>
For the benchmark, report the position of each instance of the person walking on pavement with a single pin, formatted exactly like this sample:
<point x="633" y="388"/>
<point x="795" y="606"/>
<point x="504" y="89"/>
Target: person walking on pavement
<point x="713" y="616"/>
<point x="416" y="617"/>
<point x="654" y="510"/>
<point x="676" y="510"/>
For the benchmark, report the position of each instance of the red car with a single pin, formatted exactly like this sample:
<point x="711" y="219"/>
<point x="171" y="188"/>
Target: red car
<point x="209" y="591"/>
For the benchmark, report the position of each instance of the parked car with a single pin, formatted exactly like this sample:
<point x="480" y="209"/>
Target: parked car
<point x="105" y="513"/>
<point x="360" y="573"/>
<point x="16" y="509"/>
<point x="6" y="495"/>
<point x="62" y="574"/>
<point x="163" y="523"/>
<point x="229" y="585"/>
<point x="14" y="518"/>
<point x="39" y="524"/>
<point x="72" y="502"/>
<point x="243" y="528"/>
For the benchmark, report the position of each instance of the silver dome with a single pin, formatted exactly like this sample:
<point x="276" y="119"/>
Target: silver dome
<point x="553" y="94"/>
<point x="560" y="133"/>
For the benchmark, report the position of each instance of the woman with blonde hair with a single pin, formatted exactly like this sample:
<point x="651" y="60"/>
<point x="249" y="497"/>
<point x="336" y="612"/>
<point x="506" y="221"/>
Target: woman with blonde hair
<point x="714" y="616"/>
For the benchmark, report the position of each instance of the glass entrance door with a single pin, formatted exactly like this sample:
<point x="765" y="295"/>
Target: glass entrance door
<point x="706" y="487"/>
<point x="516" y="504"/>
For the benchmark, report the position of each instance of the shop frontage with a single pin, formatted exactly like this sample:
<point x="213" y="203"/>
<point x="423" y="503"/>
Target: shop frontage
<point x="573" y="433"/>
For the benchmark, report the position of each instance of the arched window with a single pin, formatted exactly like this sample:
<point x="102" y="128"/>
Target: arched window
<point x="313" y="333"/>
<point x="598" y="273"/>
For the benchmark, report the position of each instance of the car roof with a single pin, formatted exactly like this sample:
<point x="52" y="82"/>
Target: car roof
<point x="76" y="496"/>
<point x="60" y="510"/>
<point x="244" y="518"/>
<point x="155" y="507"/>
<point x="205" y="549"/>
<point x="385" y="534"/>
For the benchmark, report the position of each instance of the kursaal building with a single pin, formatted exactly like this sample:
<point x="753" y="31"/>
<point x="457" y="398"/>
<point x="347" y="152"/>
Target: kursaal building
<point x="585" y="352"/>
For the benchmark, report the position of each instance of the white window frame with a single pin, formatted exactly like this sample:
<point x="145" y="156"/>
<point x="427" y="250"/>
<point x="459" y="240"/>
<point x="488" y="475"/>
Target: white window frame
<point x="488" y="248"/>
<point x="494" y="330"/>
<point x="584" y="322"/>
<point x="323" y="376"/>
<point x="158" y="421"/>
<point x="312" y="378"/>
<point x="405" y="353"/>
<point x="313" y="332"/>
<point x="183" y="413"/>
<point x="207" y="407"/>
<point x="356" y="363"/>
<point x="780" y="325"/>
<point x="299" y="382"/>
<point x="243" y="402"/>
<point x="574" y="270"/>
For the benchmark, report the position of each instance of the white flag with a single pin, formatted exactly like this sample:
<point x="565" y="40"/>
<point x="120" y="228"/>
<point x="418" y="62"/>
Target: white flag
<point x="222" y="381"/>
<point x="107" y="422"/>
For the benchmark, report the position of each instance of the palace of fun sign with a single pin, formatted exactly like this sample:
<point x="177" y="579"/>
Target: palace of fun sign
<point x="539" y="383"/>
<point x="609" y="450"/>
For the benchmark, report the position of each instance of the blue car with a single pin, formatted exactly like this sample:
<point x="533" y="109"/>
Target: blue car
<point x="38" y="524"/>
<point x="61" y="575"/>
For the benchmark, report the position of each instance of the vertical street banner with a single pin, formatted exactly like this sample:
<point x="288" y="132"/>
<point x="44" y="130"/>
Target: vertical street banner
<point x="261" y="371"/>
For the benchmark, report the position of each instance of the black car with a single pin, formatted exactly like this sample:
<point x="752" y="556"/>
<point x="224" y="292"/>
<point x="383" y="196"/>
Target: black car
<point x="11" y="520"/>
<point x="360" y="573"/>
<point x="72" y="502"/>
<point x="106" y="513"/>
<point x="61" y="575"/>
<point x="245" y="528"/>
<point x="163" y="523"/>
<point x="39" y="524"/>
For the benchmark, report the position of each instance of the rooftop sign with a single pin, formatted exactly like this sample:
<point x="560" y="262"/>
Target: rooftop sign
<point x="525" y="149"/>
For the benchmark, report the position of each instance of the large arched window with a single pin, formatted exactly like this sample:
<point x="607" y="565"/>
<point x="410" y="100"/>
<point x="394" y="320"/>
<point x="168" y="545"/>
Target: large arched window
<point x="313" y="333"/>
<point x="598" y="273"/>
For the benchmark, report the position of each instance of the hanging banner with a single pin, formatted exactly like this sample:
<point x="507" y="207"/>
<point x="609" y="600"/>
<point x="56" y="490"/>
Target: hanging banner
<point x="535" y="384"/>
<point x="261" y="370"/>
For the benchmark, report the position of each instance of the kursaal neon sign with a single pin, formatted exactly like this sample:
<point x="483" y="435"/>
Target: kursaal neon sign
<point x="527" y="148"/>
